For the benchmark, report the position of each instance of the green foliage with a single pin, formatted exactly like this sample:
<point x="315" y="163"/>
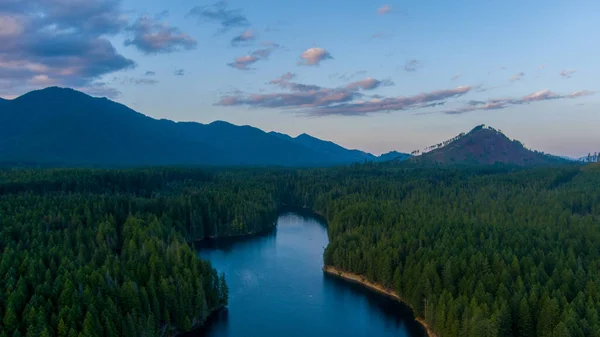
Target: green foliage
<point x="104" y="253"/>
<point x="493" y="251"/>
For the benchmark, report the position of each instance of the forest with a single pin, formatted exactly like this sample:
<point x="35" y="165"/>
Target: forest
<point x="481" y="251"/>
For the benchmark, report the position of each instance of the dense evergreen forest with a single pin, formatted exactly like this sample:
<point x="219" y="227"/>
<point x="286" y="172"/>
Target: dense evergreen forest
<point x="100" y="253"/>
<point x="493" y="251"/>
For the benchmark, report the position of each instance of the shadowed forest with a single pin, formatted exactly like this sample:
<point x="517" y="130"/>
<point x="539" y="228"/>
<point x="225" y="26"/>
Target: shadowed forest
<point x="495" y="251"/>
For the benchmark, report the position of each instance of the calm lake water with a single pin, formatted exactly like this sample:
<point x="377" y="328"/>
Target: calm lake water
<point x="277" y="289"/>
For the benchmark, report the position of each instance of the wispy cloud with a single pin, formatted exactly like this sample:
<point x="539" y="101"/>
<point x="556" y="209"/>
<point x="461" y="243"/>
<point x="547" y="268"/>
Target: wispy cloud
<point x="369" y="83"/>
<point x="385" y="9"/>
<point x="294" y="100"/>
<point x="497" y="104"/>
<point x="221" y="14"/>
<point x="243" y="39"/>
<point x="455" y="77"/>
<point x="567" y="73"/>
<point x="338" y="101"/>
<point x="284" y="81"/>
<point x="347" y="77"/>
<point x="149" y="73"/>
<point x="263" y="53"/>
<point x="389" y="104"/>
<point x="314" y="56"/>
<point x="153" y="37"/>
<point x="179" y="72"/>
<point x="411" y="65"/>
<point x="244" y="62"/>
<point x="517" y="77"/>
<point x="138" y="81"/>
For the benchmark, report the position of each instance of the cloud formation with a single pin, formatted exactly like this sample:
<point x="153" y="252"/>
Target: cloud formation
<point x="567" y="73"/>
<point x="411" y="65"/>
<point x="348" y="100"/>
<point x="294" y="100"/>
<point x="497" y="104"/>
<point x="153" y="37"/>
<point x="221" y="14"/>
<point x="179" y="72"/>
<point x="385" y="9"/>
<point x="59" y="42"/>
<point x="283" y="81"/>
<point x="244" y="62"/>
<point x="517" y="77"/>
<point x="389" y="104"/>
<point x="369" y="83"/>
<point x="244" y="38"/>
<point x="149" y="73"/>
<point x="455" y="77"/>
<point x="314" y="56"/>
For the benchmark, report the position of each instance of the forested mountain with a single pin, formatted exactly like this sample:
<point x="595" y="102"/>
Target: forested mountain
<point x="328" y="148"/>
<point x="484" y="146"/>
<point x="63" y="127"/>
<point x="339" y="153"/>
<point x="476" y="251"/>
<point x="394" y="156"/>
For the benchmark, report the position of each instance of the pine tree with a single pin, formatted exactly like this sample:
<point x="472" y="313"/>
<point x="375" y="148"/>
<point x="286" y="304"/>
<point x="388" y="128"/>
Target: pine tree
<point x="524" y="322"/>
<point x="561" y="330"/>
<point x="223" y="291"/>
<point x="63" y="330"/>
<point x="11" y="322"/>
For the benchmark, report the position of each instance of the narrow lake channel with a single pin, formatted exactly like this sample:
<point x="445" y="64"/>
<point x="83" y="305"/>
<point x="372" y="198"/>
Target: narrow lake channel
<point x="277" y="289"/>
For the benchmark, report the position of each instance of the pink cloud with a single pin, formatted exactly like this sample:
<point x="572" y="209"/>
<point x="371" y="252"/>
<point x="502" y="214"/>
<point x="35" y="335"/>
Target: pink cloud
<point x="243" y="62"/>
<point x="385" y="9"/>
<point x="368" y="83"/>
<point x="495" y="104"/>
<point x="314" y="56"/>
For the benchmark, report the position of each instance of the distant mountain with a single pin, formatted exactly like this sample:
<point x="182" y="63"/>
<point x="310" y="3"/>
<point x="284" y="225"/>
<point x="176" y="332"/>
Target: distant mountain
<point x="394" y="156"/>
<point x="338" y="152"/>
<point x="328" y="149"/>
<point x="485" y="146"/>
<point x="64" y="127"/>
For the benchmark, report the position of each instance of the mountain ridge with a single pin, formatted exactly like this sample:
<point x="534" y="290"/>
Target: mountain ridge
<point x="62" y="125"/>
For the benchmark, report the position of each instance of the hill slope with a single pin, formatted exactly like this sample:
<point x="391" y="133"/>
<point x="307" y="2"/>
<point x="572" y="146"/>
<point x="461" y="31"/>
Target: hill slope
<point x="64" y="127"/>
<point x="485" y="146"/>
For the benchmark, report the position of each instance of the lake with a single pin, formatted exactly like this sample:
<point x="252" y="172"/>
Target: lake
<point x="277" y="288"/>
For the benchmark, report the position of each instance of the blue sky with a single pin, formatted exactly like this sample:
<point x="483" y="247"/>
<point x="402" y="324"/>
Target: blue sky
<point x="395" y="75"/>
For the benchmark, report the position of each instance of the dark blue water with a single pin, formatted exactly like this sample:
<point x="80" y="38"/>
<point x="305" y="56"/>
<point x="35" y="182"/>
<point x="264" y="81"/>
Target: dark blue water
<point x="277" y="289"/>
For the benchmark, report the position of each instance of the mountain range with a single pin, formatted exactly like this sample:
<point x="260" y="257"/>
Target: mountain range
<point x="63" y="127"/>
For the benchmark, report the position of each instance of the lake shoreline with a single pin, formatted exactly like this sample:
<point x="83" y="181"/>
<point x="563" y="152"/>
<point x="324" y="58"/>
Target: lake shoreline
<point x="363" y="281"/>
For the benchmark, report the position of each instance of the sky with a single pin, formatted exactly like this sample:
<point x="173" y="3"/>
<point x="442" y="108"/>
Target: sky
<point x="393" y="75"/>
